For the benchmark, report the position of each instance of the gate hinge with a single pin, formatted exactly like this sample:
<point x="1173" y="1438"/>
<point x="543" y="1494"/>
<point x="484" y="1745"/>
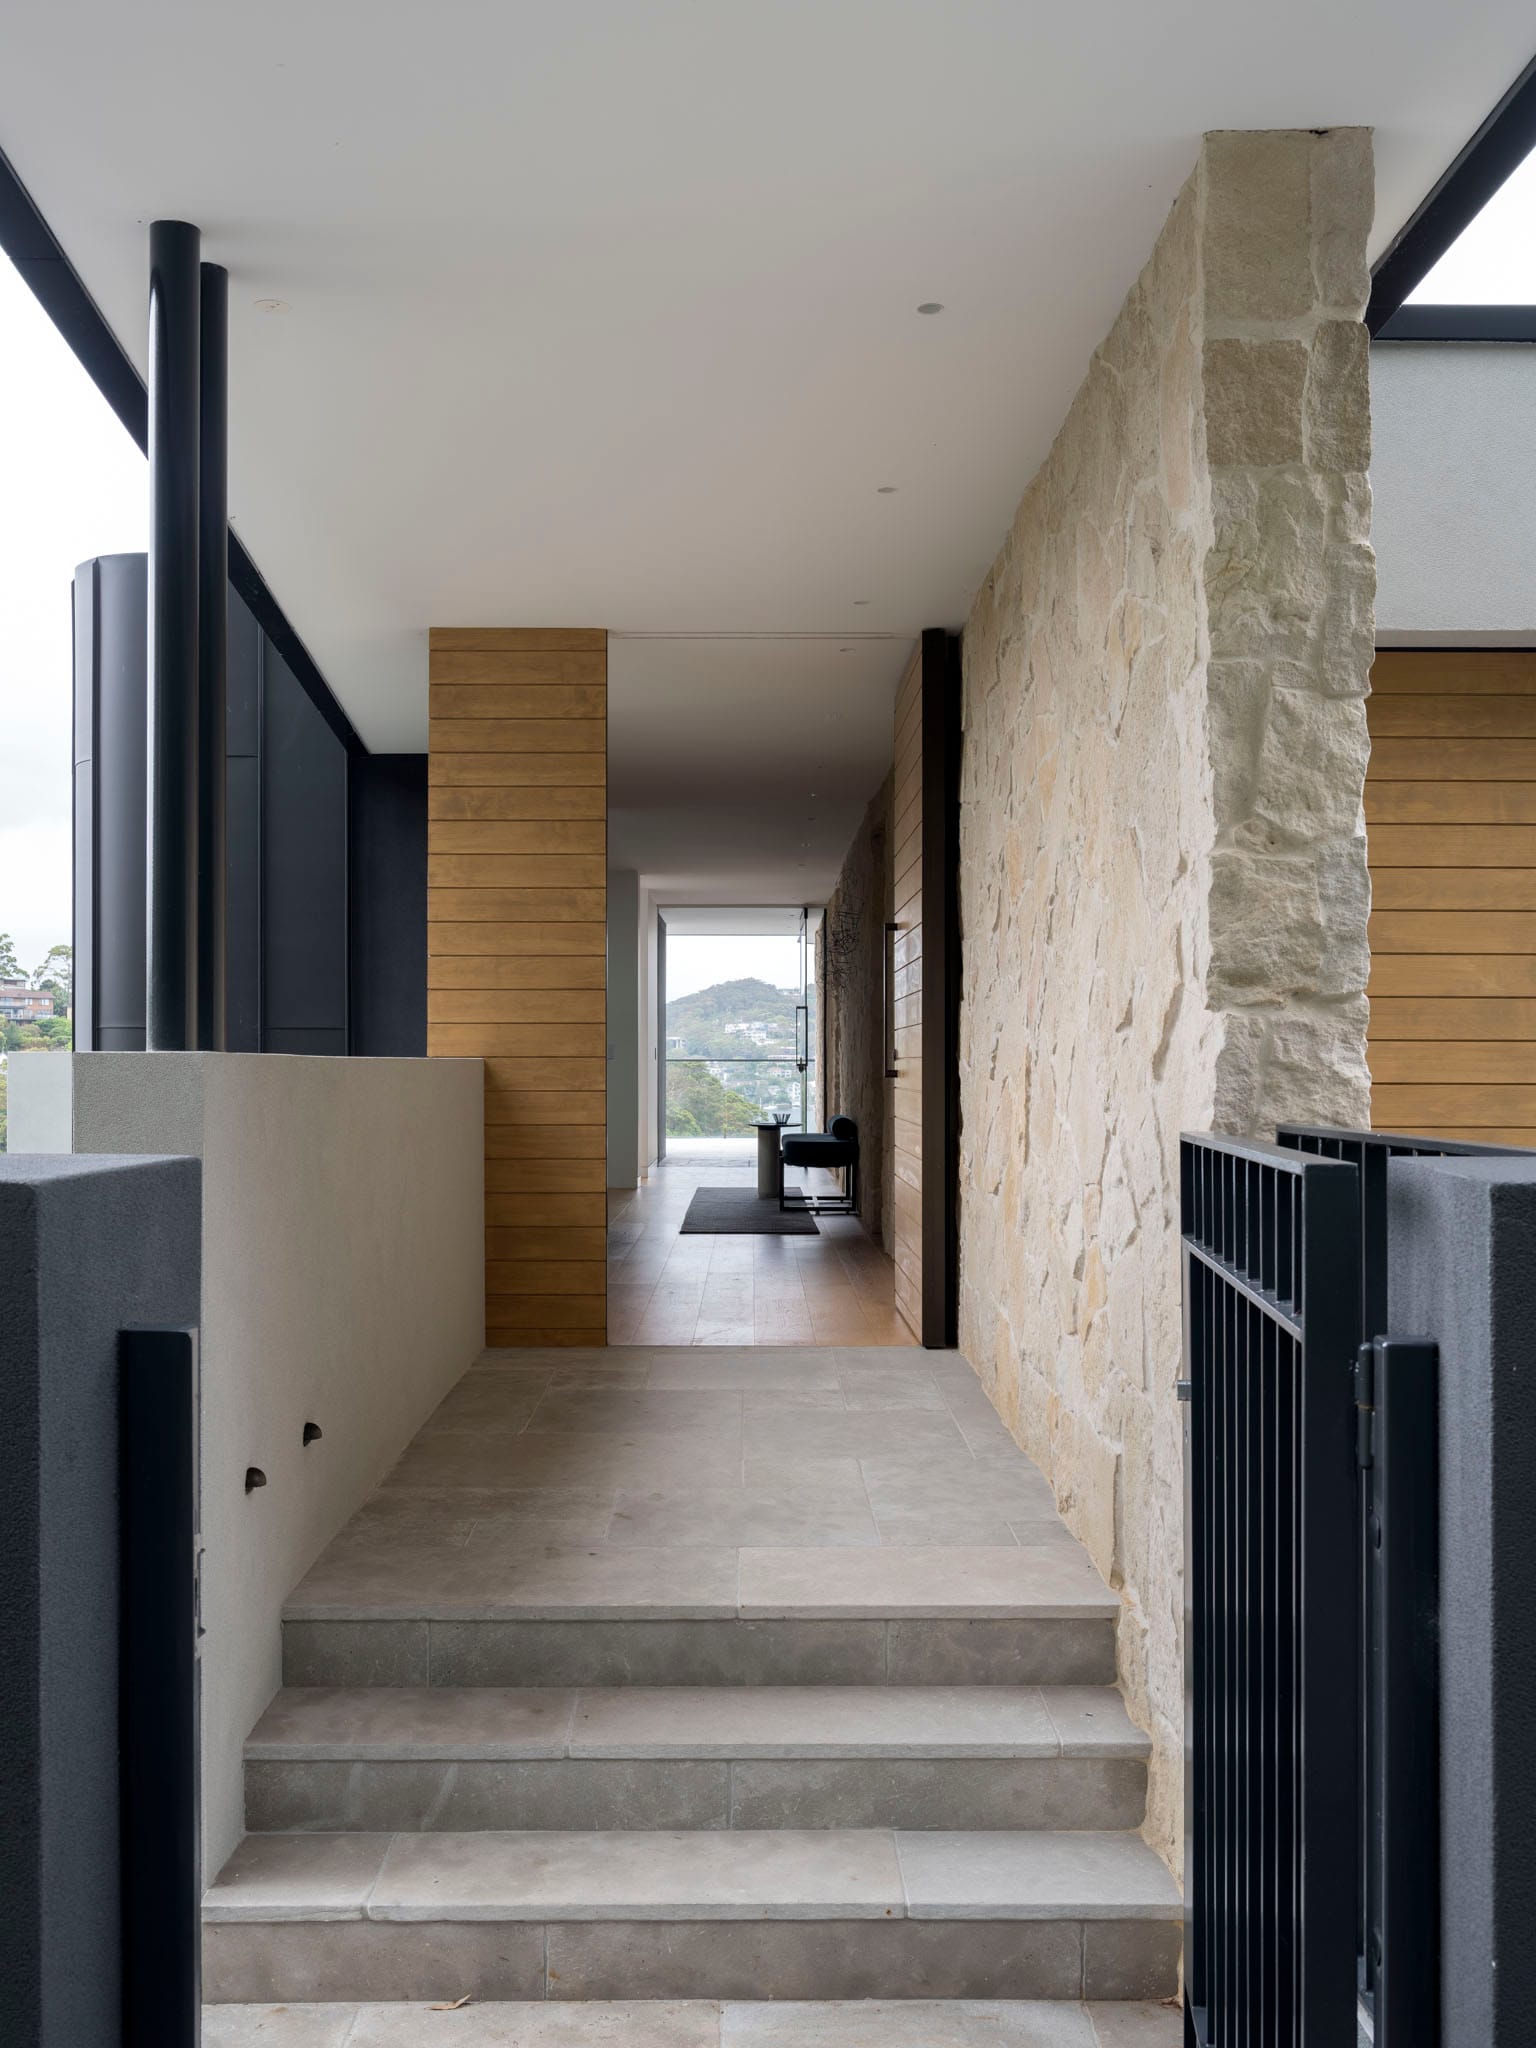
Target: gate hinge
<point x="1365" y="1406"/>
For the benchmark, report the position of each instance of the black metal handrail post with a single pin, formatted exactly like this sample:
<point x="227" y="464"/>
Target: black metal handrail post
<point x="160" y="1689"/>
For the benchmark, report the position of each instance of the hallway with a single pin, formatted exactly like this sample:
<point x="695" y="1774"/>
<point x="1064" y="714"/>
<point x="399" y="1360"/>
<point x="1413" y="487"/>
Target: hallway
<point x="647" y="1671"/>
<point x="835" y="1288"/>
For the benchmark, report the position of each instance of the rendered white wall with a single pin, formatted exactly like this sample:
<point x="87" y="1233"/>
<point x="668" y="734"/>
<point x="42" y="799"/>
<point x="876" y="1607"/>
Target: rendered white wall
<point x="343" y="1284"/>
<point x="650" y="1044"/>
<point x="40" y="1102"/>
<point x="1453" y="478"/>
<point x="623" y="1027"/>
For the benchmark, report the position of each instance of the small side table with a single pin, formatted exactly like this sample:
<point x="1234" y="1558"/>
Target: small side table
<point x="770" y="1162"/>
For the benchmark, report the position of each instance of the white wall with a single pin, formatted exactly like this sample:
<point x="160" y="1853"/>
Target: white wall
<point x="343" y="1284"/>
<point x="623" y="1027"/>
<point x="1453" y="478"/>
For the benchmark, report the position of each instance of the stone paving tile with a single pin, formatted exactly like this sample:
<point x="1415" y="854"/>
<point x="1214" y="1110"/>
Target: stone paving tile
<point x="810" y="1721"/>
<point x="1133" y="2024"/>
<point x="861" y="2023"/>
<point x="277" y="2026"/>
<point x="297" y="1877"/>
<point x="632" y="2024"/>
<point x="908" y="2023"/>
<point x="786" y="1874"/>
<point x="1057" y="1582"/>
<point x="737" y="1515"/>
<point x="1033" y="1874"/>
<point x="414" y="1721"/>
<point x="502" y="1577"/>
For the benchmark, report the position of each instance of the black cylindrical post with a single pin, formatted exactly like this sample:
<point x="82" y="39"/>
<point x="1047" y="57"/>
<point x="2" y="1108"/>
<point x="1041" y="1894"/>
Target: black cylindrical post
<point x="213" y="652"/>
<point x="171" y="888"/>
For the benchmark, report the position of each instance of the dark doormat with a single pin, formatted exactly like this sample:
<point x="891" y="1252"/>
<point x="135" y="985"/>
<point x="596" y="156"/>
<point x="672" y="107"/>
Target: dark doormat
<point x="742" y="1212"/>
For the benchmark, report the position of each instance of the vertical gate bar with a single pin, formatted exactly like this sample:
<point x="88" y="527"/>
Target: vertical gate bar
<point x="1213" y="1649"/>
<point x="1254" y="1657"/>
<point x="1269" y="1683"/>
<point x="1329" y="1656"/>
<point x="1218" y="1657"/>
<point x="1229" y="1633"/>
<point x="1406" y="1851"/>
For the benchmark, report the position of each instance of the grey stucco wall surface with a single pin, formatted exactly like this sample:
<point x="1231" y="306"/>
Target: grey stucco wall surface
<point x="1453" y="487"/>
<point x="1463" y="1272"/>
<point x="88" y="1247"/>
<point x="343" y="1284"/>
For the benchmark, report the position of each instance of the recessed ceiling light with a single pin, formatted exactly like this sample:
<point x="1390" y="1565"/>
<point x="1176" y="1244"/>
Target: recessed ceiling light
<point x="930" y="306"/>
<point x="885" y="490"/>
<point x="272" y="305"/>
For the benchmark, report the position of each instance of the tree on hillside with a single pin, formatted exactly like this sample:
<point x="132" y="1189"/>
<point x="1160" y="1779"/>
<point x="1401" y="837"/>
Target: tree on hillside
<point x="56" y="976"/>
<point x="738" y="1019"/>
<point x="699" y="1106"/>
<point x="10" y="966"/>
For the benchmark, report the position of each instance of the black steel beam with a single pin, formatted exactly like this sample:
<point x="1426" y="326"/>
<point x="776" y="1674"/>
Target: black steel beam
<point x="173" y="760"/>
<point x="1500" y="146"/>
<point x="56" y="285"/>
<point x="212" y="653"/>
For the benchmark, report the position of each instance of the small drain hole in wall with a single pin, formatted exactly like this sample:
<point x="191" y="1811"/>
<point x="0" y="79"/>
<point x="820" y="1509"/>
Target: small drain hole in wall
<point x="254" y="1477"/>
<point x="312" y="1433"/>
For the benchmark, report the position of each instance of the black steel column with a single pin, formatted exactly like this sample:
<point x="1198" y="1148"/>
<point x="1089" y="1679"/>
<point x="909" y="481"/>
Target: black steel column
<point x="173" y="754"/>
<point x="213" y="654"/>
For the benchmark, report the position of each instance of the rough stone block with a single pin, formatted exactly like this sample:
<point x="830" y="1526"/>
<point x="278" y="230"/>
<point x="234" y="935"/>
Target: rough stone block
<point x="1253" y="401"/>
<point x="1338" y="397"/>
<point x="1258" y="240"/>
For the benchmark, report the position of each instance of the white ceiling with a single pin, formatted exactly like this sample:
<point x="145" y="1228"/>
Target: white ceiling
<point x="604" y="314"/>
<point x="762" y="921"/>
<point x="739" y="769"/>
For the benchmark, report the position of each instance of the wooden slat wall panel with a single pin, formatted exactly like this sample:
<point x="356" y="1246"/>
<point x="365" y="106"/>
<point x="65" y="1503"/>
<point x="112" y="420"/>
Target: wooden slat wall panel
<point x="1451" y="812"/>
<point x="907" y="1165"/>
<point x="516" y="935"/>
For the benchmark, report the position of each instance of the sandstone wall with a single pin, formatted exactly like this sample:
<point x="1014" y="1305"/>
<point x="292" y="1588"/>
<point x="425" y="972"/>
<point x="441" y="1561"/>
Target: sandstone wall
<point x="851" y="946"/>
<point x="1163" y="877"/>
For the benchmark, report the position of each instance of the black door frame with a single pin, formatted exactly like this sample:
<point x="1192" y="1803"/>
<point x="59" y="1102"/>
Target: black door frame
<point x="940" y="682"/>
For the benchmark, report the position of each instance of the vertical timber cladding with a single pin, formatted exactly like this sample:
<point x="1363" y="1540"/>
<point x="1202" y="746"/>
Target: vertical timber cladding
<point x="1450" y="803"/>
<point x="516" y="967"/>
<point x="925" y="835"/>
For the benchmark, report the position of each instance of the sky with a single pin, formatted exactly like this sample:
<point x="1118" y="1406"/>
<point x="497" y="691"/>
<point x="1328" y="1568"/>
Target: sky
<point x="72" y="485"/>
<point x="1493" y="262"/>
<point x="693" y="964"/>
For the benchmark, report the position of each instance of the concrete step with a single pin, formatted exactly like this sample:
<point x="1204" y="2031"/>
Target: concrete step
<point x="862" y="1651"/>
<point x="689" y="1915"/>
<point x="609" y="1614"/>
<point x="449" y="1759"/>
<point x="699" y="2023"/>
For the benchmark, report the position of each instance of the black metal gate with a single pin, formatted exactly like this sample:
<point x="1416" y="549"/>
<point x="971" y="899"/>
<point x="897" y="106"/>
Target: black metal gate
<point x="1272" y="1324"/>
<point x="1397" y="1588"/>
<point x="1312" y="1568"/>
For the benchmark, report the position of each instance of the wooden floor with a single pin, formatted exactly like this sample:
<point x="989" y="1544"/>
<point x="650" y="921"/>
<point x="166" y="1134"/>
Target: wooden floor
<point x="835" y="1288"/>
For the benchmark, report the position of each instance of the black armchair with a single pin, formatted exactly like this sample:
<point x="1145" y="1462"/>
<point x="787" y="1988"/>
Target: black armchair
<point x="836" y="1147"/>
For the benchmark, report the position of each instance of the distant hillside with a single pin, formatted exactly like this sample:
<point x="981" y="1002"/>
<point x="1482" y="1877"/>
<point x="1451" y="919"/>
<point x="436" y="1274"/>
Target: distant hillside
<point x="741" y="1017"/>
